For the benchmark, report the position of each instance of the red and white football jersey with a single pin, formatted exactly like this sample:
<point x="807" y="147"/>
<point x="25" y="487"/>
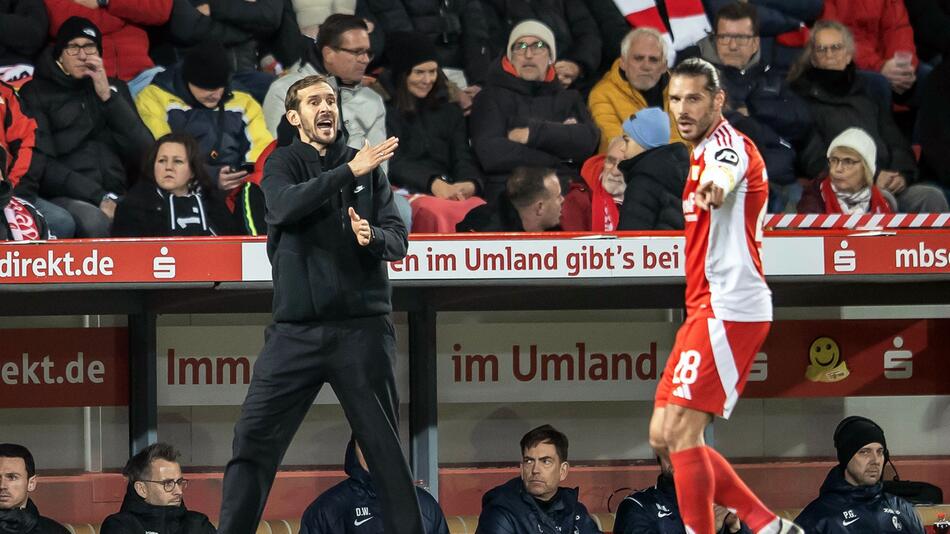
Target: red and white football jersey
<point x="724" y="277"/>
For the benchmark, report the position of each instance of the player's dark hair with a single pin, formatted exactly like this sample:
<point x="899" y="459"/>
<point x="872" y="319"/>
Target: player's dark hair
<point x="698" y="67"/>
<point x="546" y="434"/>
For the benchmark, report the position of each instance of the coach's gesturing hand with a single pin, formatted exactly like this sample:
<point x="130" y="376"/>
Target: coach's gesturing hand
<point x="360" y="228"/>
<point x="370" y="156"/>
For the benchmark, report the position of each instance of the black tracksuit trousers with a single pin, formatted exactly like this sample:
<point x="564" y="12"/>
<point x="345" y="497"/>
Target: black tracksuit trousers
<point x="354" y="356"/>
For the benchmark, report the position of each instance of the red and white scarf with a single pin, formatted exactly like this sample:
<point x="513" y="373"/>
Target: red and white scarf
<point x="23" y="226"/>
<point x="688" y="22"/>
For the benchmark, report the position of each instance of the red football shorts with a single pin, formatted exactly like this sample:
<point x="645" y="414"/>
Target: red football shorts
<point x="709" y="364"/>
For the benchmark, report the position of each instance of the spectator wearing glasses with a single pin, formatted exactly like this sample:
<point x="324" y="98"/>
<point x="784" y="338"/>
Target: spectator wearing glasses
<point x="154" y="497"/>
<point x="759" y="102"/>
<point x="827" y="79"/>
<point x="524" y="117"/>
<point x="637" y="80"/>
<point x="883" y="39"/>
<point x="87" y="128"/>
<point x="848" y="187"/>
<point x="341" y="51"/>
<point x="124" y="25"/>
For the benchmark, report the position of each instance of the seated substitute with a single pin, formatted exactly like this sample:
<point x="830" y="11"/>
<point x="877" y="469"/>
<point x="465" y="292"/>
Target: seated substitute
<point x="531" y="203"/>
<point x="534" y="503"/>
<point x="655" y="510"/>
<point x="852" y="498"/>
<point x="153" y="498"/>
<point x="18" y="514"/>
<point x="351" y="504"/>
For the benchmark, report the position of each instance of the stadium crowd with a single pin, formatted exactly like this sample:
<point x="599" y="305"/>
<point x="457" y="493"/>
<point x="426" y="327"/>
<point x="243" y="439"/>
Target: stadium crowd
<point x="156" y="117"/>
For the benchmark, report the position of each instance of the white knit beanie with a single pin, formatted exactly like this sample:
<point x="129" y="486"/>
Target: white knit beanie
<point x="858" y="140"/>
<point x="534" y="28"/>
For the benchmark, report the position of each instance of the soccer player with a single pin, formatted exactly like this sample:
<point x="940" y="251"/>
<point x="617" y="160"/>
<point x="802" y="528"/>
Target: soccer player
<point x="728" y="305"/>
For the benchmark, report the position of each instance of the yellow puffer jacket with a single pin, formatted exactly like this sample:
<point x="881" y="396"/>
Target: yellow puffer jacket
<point x="613" y="100"/>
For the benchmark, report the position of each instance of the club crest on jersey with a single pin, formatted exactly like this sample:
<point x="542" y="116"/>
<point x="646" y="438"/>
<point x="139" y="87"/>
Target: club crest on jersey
<point x="727" y="155"/>
<point x="689" y="204"/>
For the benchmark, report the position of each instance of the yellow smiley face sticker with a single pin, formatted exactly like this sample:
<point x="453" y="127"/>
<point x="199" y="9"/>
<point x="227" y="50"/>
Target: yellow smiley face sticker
<point x="824" y="352"/>
<point x="826" y="365"/>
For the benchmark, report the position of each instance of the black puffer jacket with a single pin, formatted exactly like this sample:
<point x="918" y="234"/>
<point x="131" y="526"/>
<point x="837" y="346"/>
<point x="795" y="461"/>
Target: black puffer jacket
<point x="654" y="511"/>
<point x="432" y="142"/>
<point x="842" y="508"/>
<point x="508" y="102"/>
<point x="23" y="26"/>
<point x="319" y="270"/>
<point x="654" y="196"/>
<point x="575" y="31"/>
<point x="457" y="28"/>
<point x="509" y="509"/>
<point x="28" y="521"/>
<point x="137" y="516"/>
<point x="840" y="100"/>
<point x="101" y="142"/>
<point x="353" y="503"/>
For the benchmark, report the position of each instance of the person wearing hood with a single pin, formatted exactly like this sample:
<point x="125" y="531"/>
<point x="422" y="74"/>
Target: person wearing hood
<point x="826" y="78"/>
<point x="352" y="506"/>
<point x="196" y="98"/>
<point x="535" y="503"/>
<point x="759" y="102"/>
<point x="638" y="79"/>
<point x="852" y="497"/>
<point x="531" y="203"/>
<point x="523" y="116"/>
<point x="18" y="513"/>
<point x="331" y="227"/>
<point x="848" y="186"/>
<point x="154" y="500"/>
<point x="654" y="510"/>
<point x="87" y="128"/>
<point x="637" y="185"/>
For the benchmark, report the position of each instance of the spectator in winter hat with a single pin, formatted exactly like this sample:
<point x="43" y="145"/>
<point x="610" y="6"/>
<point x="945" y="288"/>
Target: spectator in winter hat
<point x="87" y="128"/>
<point x="196" y="98"/>
<point x="523" y="116"/>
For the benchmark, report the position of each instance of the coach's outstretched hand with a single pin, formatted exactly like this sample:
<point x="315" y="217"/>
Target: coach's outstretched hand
<point x="370" y="156"/>
<point x="360" y="228"/>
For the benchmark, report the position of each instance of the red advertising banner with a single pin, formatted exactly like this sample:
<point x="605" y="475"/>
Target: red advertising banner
<point x="889" y="254"/>
<point x="63" y="367"/>
<point x="850" y="358"/>
<point x="169" y="260"/>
